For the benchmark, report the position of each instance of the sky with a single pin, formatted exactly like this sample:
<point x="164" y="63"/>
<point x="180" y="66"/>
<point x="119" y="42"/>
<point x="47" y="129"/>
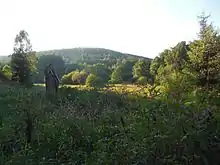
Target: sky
<point x="141" y="27"/>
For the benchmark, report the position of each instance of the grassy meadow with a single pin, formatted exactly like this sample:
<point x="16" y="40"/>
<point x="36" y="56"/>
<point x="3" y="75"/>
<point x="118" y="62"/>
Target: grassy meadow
<point x="112" y="108"/>
<point x="100" y="126"/>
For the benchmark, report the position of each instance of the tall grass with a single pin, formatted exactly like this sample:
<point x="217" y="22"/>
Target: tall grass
<point x="93" y="127"/>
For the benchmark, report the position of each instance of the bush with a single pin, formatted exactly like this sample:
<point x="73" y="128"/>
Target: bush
<point x="6" y="70"/>
<point x="142" y="80"/>
<point x="75" y="78"/>
<point x="67" y="78"/>
<point x="79" y="77"/>
<point x="94" y="81"/>
<point x="92" y="127"/>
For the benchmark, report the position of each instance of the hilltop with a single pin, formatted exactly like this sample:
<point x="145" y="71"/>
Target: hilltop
<point x="88" y="55"/>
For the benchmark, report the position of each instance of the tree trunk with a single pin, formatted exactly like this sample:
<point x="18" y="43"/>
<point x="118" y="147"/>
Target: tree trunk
<point x="51" y="80"/>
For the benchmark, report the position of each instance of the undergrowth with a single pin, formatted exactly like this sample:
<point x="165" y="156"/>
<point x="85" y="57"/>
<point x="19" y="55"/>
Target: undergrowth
<point x="91" y="127"/>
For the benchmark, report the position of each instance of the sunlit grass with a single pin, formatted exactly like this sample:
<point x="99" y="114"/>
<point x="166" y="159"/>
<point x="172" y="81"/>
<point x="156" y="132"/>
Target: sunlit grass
<point x="118" y="88"/>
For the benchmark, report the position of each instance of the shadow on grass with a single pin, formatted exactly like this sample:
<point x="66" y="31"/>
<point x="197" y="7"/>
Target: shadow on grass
<point x="93" y="127"/>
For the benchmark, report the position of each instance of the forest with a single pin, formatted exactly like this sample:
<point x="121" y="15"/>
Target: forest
<point x="112" y="107"/>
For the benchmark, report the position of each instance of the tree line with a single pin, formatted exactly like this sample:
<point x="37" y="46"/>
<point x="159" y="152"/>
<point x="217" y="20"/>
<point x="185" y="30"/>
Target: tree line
<point x="196" y="62"/>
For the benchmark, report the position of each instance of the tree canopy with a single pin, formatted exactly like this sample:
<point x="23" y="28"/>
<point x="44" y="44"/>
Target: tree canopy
<point x="23" y="60"/>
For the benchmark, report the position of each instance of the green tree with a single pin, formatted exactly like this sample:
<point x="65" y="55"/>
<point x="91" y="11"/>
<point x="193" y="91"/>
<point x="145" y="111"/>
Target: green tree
<point x="67" y="79"/>
<point x="44" y="60"/>
<point x="155" y="64"/>
<point x="204" y="54"/>
<point x="116" y="76"/>
<point x="142" y="69"/>
<point x="127" y="67"/>
<point x="23" y="60"/>
<point x="177" y="57"/>
<point x="94" y="81"/>
<point x="170" y="61"/>
<point x="75" y="77"/>
<point x="7" y="71"/>
<point x="142" y="80"/>
<point x="158" y="63"/>
<point x="72" y="66"/>
<point x="123" y="71"/>
<point x="100" y="70"/>
<point x="79" y="77"/>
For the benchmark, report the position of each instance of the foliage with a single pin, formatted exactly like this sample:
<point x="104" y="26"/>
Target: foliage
<point x="43" y="61"/>
<point x="23" y="60"/>
<point x="173" y="121"/>
<point x="122" y="72"/>
<point x="142" y="80"/>
<point x="204" y="55"/>
<point x="127" y="66"/>
<point x="94" y="81"/>
<point x="7" y="71"/>
<point x="89" y="127"/>
<point x="91" y="55"/>
<point x="116" y="76"/>
<point x="155" y="64"/>
<point x="197" y="61"/>
<point x="141" y="69"/>
<point x="170" y="61"/>
<point x="79" y="77"/>
<point x="67" y="78"/>
<point x="99" y="70"/>
<point x="73" y="66"/>
<point x="75" y="77"/>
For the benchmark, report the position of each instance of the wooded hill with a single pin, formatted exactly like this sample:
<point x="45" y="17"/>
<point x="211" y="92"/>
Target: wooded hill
<point x="87" y="55"/>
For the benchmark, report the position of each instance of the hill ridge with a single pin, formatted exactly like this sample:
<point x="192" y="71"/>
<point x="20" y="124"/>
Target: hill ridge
<point x="84" y="54"/>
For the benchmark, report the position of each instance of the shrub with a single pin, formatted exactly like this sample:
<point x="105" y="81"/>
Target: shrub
<point x="75" y="78"/>
<point x="94" y="81"/>
<point x="6" y="70"/>
<point x="79" y="77"/>
<point x="142" y="80"/>
<point x="67" y="78"/>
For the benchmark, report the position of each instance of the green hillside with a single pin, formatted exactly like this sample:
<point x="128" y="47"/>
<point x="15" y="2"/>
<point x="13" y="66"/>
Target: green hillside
<point x="88" y="55"/>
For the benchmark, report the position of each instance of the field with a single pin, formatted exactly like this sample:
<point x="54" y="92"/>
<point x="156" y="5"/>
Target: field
<point x="112" y="125"/>
<point x="124" y="89"/>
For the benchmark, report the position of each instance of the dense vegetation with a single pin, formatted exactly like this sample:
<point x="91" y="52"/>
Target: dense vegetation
<point x="100" y="62"/>
<point x="87" y="55"/>
<point x="171" y="115"/>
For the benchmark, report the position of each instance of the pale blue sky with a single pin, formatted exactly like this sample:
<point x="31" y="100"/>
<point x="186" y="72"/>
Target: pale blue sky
<point x="142" y="27"/>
